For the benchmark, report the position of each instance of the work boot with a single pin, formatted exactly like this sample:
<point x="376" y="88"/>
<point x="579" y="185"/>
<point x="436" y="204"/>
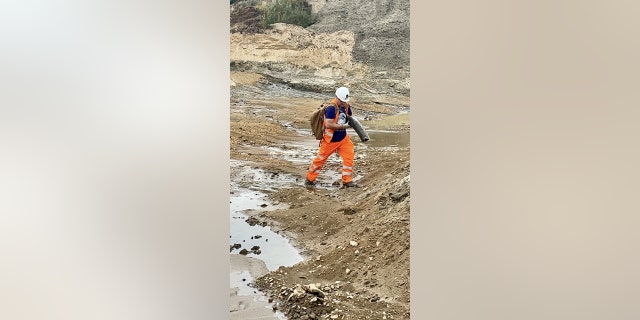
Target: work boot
<point x="350" y="184"/>
<point x="309" y="184"/>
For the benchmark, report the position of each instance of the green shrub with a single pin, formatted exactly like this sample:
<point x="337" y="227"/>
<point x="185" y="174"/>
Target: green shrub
<point x="296" y="12"/>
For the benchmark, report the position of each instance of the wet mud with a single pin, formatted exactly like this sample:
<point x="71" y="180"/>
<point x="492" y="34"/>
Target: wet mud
<point x="284" y="227"/>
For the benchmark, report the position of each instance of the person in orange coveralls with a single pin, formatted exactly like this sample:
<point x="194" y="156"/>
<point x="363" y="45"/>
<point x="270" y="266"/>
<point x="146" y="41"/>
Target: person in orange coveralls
<point x="335" y="138"/>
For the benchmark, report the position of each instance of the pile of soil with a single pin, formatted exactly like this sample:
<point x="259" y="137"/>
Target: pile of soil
<point x="357" y="243"/>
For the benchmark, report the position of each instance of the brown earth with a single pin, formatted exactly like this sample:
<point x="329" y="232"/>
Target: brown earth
<point x="364" y="279"/>
<point x="355" y="240"/>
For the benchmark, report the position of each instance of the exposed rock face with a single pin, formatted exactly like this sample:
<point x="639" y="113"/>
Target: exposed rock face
<point x="362" y="44"/>
<point x="381" y="29"/>
<point x="323" y="54"/>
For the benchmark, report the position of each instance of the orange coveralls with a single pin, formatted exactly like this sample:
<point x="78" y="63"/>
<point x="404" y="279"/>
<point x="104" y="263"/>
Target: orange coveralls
<point x="327" y="148"/>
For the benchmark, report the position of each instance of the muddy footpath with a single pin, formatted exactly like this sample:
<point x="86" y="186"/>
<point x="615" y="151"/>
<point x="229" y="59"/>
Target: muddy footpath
<point x="327" y="254"/>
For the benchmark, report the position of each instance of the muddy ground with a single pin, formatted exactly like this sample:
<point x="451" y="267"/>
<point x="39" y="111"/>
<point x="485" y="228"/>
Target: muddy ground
<point x="355" y="241"/>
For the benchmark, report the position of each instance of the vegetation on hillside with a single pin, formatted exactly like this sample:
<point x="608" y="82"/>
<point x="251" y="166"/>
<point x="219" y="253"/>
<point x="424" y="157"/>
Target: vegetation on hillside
<point x="297" y="12"/>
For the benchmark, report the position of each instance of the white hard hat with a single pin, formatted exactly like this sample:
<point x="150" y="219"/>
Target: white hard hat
<point x="343" y="94"/>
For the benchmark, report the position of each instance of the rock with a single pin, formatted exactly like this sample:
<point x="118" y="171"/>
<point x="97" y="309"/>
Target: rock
<point x="313" y="289"/>
<point x="353" y="243"/>
<point x="348" y="211"/>
<point x="298" y="293"/>
<point x="252" y="221"/>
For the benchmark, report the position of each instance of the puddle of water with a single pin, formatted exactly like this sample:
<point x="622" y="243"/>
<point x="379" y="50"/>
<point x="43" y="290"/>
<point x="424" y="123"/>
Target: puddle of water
<point x="401" y="118"/>
<point x="247" y="290"/>
<point x="304" y="154"/>
<point x="306" y="132"/>
<point x="258" y="179"/>
<point x="244" y="280"/>
<point x="274" y="249"/>
<point x="387" y="139"/>
<point x="248" y="195"/>
<point x="300" y="155"/>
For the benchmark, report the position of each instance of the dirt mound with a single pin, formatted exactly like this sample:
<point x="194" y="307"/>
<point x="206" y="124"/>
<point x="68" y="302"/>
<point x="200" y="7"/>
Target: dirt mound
<point x="357" y="241"/>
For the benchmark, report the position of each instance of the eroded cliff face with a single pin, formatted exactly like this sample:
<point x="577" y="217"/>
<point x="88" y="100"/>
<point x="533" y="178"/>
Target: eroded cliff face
<point x="363" y="44"/>
<point x="326" y="54"/>
<point x="380" y="28"/>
